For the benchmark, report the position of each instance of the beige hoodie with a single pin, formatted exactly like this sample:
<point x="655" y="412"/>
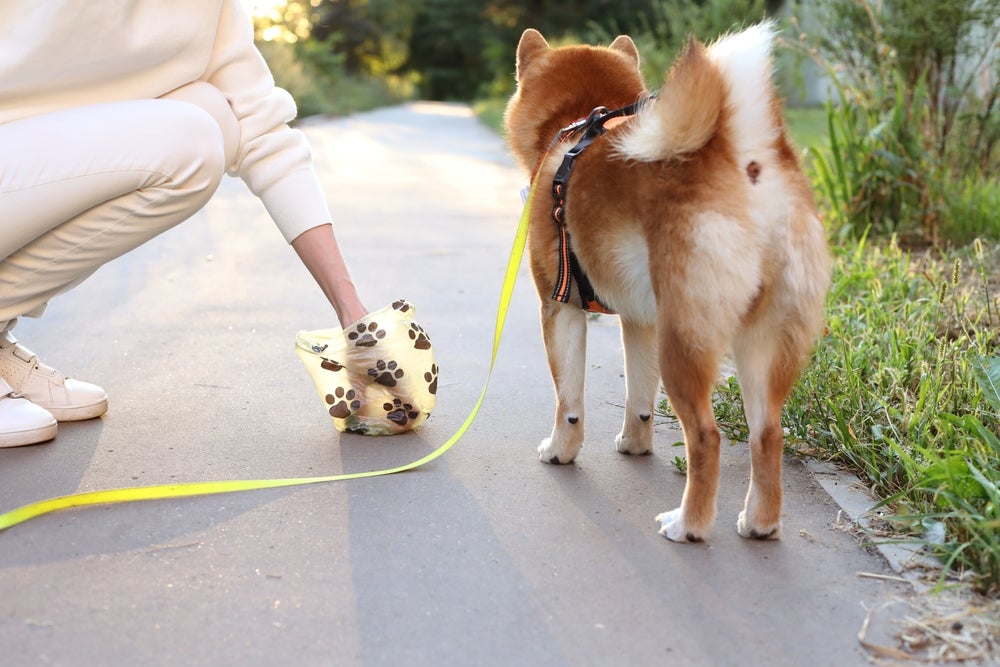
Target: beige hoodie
<point x="59" y="54"/>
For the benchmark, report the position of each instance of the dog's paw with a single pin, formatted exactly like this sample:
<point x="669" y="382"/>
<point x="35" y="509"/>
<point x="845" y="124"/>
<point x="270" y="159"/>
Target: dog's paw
<point x="632" y="445"/>
<point x="765" y="532"/>
<point x="673" y="528"/>
<point x="550" y="452"/>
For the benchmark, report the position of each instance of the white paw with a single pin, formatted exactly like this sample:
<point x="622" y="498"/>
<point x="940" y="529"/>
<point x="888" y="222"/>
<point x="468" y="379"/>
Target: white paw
<point x="632" y="446"/>
<point x="672" y="525"/>
<point x="772" y="532"/>
<point x="550" y="452"/>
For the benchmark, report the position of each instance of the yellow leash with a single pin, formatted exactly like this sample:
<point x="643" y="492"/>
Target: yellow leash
<point x="133" y="494"/>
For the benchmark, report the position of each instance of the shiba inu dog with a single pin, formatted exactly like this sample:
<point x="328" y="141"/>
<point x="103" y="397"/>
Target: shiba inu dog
<point x="692" y="220"/>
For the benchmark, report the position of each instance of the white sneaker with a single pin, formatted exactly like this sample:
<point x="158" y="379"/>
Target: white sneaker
<point x="21" y="421"/>
<point x="64" y="398"/>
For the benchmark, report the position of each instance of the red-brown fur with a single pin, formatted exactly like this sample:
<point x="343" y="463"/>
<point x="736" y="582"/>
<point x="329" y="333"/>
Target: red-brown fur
<point x="704" y="241"/>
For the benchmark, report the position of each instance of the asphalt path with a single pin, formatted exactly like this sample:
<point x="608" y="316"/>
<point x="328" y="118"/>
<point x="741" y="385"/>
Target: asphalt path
<point x="485" y="556"/>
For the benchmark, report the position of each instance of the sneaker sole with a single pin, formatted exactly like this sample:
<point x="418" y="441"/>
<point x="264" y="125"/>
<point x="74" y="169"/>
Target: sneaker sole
<point x="31" y="437"/>
<point x="78" y="412"/>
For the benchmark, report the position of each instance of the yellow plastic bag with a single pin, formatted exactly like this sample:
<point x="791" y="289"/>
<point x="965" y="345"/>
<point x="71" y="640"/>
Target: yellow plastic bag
<point x="376" y="378"/>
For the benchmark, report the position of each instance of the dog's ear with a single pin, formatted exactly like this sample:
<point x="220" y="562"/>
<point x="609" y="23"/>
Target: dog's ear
<point x="624" y="44"/>
<point x="532" y="43"/>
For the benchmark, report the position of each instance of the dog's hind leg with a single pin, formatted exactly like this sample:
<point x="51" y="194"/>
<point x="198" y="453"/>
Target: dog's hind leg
<point x="564" y="331"/>
<point x="690" y="371"/>
<point x="642" y="376"/>
<point x="767" y="367"/>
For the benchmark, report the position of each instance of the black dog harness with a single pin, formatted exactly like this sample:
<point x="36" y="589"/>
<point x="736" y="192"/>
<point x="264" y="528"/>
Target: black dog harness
<point x="591" y="127"/>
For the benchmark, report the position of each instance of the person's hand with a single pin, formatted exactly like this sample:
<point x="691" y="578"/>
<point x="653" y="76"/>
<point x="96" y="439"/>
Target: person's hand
<point x="318" y="250"/>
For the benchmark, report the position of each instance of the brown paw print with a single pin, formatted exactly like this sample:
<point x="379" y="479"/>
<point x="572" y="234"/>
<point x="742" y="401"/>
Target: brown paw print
<point x="385" y="373"/>
<point x="419" y="337"/>
<point x="431" y="377"/>
<point x="399" y="412"/>
<point x="366" y="335"/>
<point x="343" y="403"/>
<point x="401" y="305"/>
<point x="331" y="365"/>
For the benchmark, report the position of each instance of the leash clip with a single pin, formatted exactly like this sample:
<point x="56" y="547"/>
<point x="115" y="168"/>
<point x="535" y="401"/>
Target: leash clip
<point x="595" y="120"/>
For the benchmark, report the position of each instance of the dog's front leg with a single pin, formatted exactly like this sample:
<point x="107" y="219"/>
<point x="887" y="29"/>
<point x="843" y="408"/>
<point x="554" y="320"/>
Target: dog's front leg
<point x="564" y="331"/>
<point x="642" y="375"/>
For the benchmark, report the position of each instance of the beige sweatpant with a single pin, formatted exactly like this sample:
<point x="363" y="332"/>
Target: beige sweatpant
<point x="83" y="186"/>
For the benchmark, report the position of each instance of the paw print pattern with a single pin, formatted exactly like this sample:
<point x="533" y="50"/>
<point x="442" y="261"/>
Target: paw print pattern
<point x="399" y="412"/>
<point x="386" y="373"/>
<point x="343" y="403"/>
<point x="419" y="337"/>
<point x="331" y="365"/>
<point x="431" y="377"/>
<point x="366" y="335"/>
<point x="401" y="305"/>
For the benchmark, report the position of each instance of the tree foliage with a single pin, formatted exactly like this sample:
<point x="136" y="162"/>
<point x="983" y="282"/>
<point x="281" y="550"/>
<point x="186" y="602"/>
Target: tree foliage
<point x="457" y="49"/>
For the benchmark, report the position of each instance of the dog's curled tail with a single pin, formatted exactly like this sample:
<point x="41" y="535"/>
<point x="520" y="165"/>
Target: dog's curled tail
<point x="732" y="74"/>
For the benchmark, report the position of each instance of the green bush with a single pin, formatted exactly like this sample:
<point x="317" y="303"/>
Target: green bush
<point x="878" y="176"/>
<point x="914" y="127"/>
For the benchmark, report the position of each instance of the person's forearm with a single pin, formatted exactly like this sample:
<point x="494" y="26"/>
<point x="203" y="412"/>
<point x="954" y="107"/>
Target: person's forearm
<point x="318" y="250"/>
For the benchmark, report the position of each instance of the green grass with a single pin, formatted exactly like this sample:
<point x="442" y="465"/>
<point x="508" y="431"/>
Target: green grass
<point x="972" y="208"/>
<point x="905" y="390"/>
